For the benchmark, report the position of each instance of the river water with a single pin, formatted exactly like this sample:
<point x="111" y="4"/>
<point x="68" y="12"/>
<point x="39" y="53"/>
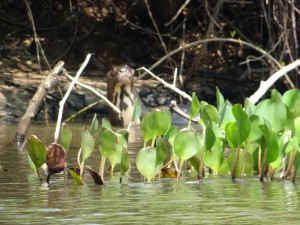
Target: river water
<point x="216" y="201"/>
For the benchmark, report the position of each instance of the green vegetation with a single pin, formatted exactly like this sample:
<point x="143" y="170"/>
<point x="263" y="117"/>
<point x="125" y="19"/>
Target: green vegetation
<point x="234" y="139"/>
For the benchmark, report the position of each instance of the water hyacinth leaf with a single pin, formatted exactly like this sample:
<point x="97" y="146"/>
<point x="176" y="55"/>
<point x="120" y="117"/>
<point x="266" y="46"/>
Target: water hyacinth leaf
<point x="225" y="115"/>
<point x="273" y="111"/>
<point x="125" y="162"/>
<point x="255" y="131"/>
<point x="276" y="95"/>
<point x="95" y="125"/>
<point x="37" y="151"/>
<point x="155" y="123"/>
<point x="118" y="148"/>
<point x="124" y="133"/>
<point x="195" y="106"/>
<point x="65" y="136"/>
<point x="249" y="107"/>
<point x="212" y="113"/>
<point x="186" y="144"/>
<point x="214" y="157"/>
<point x="210" y="138"/>
<point x="243" y="122"/>
<point x="137" y="110"/>
<point x="231" y="131"/>
<point x="272" y="147"/>
<point x="146" y="162"/>
<point x="106" y="123"/>
<point x="161" y="151"/>
<point x="75" y="177"/>
<point x="87" y="143"/>
<point x="109" y="141"/>
<point x="291" y="99"/>
<point x="171" y="134"/>
<point x="297" y="128"/>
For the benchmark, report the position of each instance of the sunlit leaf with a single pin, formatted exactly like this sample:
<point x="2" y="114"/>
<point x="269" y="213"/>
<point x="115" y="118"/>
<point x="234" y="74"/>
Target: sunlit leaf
<point x="36" y="150"/>
<point x="273" y="111"/>
<point x="65" y="136"/>
<point x="186" y="144"/>
<point x="116" y="156"/>
<point x="291" y="99"/>
<point x="87" y="143"/>
<point x="125" y="162"/>
<point x="248" y="163"/>
<point x="75" y="177"/>
<point x="106" y="123"/>
<point x="124" y="133"/>
<point x="171" y="134"/>
<point x="225" y="115"/>
<point x="220" y="100"/>
<point x="276" y="95"/>
<point x="108" y="142"/>
<point x="161" y="151"/>
<point x="146" y="162"/>
<point x="210" y="138"/>
<point x="249" y="107"/>
<point x="215" y="156"/>
<point x="255" y="131"/>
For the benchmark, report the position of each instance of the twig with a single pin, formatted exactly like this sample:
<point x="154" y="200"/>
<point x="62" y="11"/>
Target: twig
<point x="172" y="87"/>
<point x="178" y="12"/>
<point x="265" y="85"/>
<point x="93" y="91"/>
<point x="63" y="101"/>
<point x="237" y="41"/>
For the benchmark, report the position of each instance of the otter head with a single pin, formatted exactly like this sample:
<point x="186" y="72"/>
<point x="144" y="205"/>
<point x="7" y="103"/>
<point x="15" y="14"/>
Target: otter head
<point x="121" y="92"/>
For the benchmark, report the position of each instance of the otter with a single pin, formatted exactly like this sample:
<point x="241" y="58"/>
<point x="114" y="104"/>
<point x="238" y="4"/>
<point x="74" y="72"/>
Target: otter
<point x="122" y="93"/>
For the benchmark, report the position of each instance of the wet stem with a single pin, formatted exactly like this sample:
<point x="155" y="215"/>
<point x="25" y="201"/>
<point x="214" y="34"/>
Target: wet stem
<point x="102" y="165"/>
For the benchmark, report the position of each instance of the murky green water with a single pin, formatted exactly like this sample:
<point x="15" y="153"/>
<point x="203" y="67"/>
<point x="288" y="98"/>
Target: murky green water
<point x="216" y="201"/>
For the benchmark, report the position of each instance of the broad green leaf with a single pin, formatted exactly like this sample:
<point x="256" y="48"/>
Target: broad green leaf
<point x="156" y="123"/>
<point x="137" y="110"/>
<point x="272" y="148"/>
<point x="146" y="162"/>
<point x="214" y="157"/>
<point x="195" y="106"/>
<point x="108" y="142"/>
<point x="209" y="114"/>
<point x="94" y="125"/>
<point x="255" y="131"/>
<point x="36" y="150"/>
<point x="75" y="177"/>
<point x="276" y="95"/>
<point x="124" y="133"/>
<point x="171" y="134"/>
<point x="210" y="138"/>
<point x="231" y="131"/>
<point x="243" y="122"/>
<point x="87" y="143"/>
<point x="225" y="115"/>
<point x="291" y="99"/>
<point x="273" y="111"/>
<point x="186" y="144"/>
<point x="65" y="137"/>
<point x="116" y="156"/>
<point x="297" y="129"/>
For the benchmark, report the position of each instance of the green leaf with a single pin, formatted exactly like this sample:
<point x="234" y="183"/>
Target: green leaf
<point x="186" y="144"/>
<point x="108" y="142"/>
<point x="75" y="177"/>
<point x="225" y="115"/>
<point x="241" y="160"/>
<point x="209" y="114"/>
<point x="255" y="131"/>
<point x="94" y="125"/>
<point x="146" y="162"/>
<point x="220" y="100"/>
<point x="195" y="105"/>
<point x="249" y="107"/>
<point x="124" y="133"/>
<point x="161" y="151"/>
<point x="291" y="99"/>
<point x="171" y="134"/>
<point x="275" y="95"/>
<point x="37" y="151"/>
<point x="273" y="111"/>
<point x="125" y="162"/>
<point x="116" y="156"/>
<point x="106" y="123"/>
<point x="210" y="138"/>
<point x="87" y="143"/>
<point x="243" y="122"/>
<point x="214" y="158"/>
<point x="156" y="123"/>
<point x="65" y="136"/>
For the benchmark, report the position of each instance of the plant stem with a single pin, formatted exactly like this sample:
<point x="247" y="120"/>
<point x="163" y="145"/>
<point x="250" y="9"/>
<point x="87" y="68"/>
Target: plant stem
<point x="179" y="171"/>
<point x="200" y="170"/>
<point x="102" y="166"/>
<point x="236" y="158"/>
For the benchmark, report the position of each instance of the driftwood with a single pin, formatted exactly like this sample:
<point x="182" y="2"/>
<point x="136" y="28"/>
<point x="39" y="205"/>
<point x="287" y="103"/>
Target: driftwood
<point x="50" y="82"/>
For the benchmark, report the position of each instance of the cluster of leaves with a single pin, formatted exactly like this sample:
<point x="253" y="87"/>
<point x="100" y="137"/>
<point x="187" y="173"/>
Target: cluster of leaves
<point x="257" y="138"/>
<point x="235" y="139"/>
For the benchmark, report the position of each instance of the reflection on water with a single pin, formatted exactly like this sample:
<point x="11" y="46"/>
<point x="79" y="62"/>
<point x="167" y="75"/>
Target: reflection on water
<point x="216" y="201"/>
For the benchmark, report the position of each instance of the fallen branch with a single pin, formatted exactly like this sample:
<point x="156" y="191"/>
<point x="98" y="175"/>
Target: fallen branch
<point x="33" y="106"/>
<point x="265" y="85"/>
